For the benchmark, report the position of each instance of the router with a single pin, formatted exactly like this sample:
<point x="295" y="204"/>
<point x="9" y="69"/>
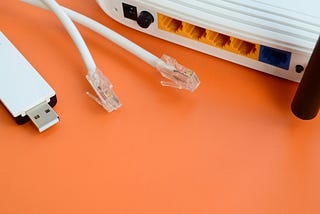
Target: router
<point x="275" y="37"/>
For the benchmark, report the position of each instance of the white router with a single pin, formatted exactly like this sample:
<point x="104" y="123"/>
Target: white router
<point x="274" y="36"/>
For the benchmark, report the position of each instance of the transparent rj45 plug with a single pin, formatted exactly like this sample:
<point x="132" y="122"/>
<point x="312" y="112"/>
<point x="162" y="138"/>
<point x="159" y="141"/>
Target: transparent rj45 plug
<point x="103" y="88"/>
<point x="180" y="76"/>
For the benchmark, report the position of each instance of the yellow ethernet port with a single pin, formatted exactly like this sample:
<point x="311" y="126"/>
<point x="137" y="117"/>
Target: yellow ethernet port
<point x="221" y="40"/>
<point x="209" y="37"/>
<point x="190" y="31"/>
<point x="244" y="48"/>
<point x="215" y="39"/>
<point x="168" y="24"/>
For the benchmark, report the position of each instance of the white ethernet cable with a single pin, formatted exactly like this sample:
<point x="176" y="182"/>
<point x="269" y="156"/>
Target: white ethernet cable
<point x="101" y="85"/>
<point x="181" y="77"/>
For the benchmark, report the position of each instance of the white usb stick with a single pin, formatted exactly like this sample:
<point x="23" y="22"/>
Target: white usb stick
<point x="23" y="91"/>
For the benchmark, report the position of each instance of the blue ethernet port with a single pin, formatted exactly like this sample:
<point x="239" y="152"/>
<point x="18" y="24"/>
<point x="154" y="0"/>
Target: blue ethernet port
<point x="275" y="57"/>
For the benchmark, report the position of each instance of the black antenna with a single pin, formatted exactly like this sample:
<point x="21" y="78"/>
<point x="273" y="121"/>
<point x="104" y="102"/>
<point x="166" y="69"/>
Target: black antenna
<point x="306" y="101"/>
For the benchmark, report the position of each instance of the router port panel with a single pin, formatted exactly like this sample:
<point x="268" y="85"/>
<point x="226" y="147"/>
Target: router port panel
<point x="268" y="51"/>
<point x="268" y="55"/>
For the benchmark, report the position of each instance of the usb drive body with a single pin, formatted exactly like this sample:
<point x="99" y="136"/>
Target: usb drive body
<point x="23" y="91"/>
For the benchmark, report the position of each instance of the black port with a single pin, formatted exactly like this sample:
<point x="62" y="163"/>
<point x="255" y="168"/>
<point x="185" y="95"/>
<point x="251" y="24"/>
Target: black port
<point x="275" y="57"/>
<point x="145" y="19"/>
<point x="299" y="68"/>
<point x="130" y="11"/>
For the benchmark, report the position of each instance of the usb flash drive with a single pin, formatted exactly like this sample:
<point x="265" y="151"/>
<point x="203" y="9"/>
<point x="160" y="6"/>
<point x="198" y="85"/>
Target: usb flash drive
<point x="23" y="91"/>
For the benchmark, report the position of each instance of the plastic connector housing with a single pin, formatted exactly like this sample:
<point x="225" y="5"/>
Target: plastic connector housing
<point x="180" y="76"/>
<point x="103" y="88"/>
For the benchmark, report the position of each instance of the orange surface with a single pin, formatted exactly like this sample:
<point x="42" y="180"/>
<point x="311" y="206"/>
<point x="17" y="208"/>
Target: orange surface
<point x="231" y="147"/>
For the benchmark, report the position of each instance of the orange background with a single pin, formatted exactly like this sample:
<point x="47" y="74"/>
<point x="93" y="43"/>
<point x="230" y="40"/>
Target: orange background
<point x="230" y="147"/>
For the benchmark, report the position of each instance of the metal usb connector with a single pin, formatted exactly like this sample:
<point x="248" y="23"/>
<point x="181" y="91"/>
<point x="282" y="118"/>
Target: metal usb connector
<point x="43" y="116"/>
<point x="22" y="89"/>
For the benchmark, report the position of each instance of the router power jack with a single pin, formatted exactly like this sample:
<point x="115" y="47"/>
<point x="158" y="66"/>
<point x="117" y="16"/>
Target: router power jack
<point x="145" y="19"/>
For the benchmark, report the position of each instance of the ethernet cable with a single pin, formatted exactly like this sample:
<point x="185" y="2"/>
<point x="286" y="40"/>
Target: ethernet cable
<point x="179" y="76"/>
<point x="101" y="85"/>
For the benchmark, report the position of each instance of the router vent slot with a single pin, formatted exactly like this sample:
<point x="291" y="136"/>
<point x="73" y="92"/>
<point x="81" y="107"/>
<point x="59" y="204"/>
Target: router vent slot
<point x="238" y="46"/>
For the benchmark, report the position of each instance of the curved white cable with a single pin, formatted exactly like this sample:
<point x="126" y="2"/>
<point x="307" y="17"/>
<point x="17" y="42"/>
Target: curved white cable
<point x="179" y="76"/>
<point x="114" y="37"/>
<point x="105" y="32"/>
<point x="73" y="32"/>
<point x="101" y="85"/>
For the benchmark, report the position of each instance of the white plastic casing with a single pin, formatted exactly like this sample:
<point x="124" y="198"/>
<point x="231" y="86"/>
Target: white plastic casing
<point x="21" y="86"/>
<point x="288" y="25"/>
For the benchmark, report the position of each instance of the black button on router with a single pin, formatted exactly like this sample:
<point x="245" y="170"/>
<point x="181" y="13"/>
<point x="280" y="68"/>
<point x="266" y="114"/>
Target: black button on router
<point x="145" y="19"/>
